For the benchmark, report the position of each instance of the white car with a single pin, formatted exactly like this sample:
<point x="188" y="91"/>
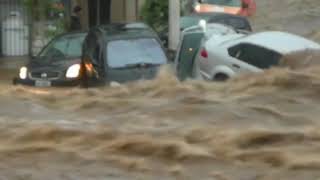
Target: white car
<point x="221" y="57"/>
<point x="190" y="42"/>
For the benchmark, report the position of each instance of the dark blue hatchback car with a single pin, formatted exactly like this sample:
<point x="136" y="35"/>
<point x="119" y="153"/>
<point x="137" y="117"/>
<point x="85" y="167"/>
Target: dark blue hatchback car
<point x="121" y="53"/>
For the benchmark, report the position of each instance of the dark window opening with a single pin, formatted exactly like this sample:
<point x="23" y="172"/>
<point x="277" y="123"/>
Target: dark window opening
<point x="99" y="12"/>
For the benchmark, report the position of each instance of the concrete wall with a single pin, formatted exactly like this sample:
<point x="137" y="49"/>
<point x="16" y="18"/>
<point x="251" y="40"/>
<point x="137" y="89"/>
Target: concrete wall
<point x="118" y="10"/>
<point x="126" y="10"/>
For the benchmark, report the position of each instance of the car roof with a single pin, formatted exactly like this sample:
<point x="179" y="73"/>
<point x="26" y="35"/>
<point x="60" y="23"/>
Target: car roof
<point x="116" y="31"/>
<point x="281" y="42"/>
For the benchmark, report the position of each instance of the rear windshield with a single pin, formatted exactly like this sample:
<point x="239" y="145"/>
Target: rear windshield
<point x="68" y="46"/>
<point x="232" y="3"/>
<point x="121" y="53"/>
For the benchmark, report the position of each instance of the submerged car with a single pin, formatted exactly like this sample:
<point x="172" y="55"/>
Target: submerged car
<point x="121" y="53"/>
<point x="239" y="23"/>
<point x="222" y="57"/>
<point x="57" y="64"/>
<point x="191" y="40"/>
<point x="236" y="7"/>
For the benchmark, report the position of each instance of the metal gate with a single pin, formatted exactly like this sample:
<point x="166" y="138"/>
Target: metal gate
<point x="14" y="29"/>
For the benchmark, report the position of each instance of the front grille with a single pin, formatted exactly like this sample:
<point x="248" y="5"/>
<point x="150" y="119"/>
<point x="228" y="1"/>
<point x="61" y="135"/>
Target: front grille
<point x="44" y="75"/>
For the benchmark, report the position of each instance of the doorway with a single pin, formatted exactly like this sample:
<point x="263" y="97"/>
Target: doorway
<point x="99" y="12"/>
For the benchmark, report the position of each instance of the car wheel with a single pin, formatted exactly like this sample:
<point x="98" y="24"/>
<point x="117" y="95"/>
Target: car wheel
<point x="220" y="77"/>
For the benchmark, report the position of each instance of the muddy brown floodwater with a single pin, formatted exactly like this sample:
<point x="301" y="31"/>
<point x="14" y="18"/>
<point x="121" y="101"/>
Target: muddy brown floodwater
<point x="255" y="127"/>
<point x="264" y="126"/>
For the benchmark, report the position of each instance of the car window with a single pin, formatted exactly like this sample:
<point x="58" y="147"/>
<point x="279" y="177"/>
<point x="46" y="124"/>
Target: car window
<point x="64" y="47"/>
<point x="255" y="55"/>
<point x="121" y="53"/>
<point x="189" y="48"/>
<point x="233" y="3"/>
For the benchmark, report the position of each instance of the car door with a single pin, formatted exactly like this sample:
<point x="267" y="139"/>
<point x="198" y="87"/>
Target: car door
<point x="188" y="50"/>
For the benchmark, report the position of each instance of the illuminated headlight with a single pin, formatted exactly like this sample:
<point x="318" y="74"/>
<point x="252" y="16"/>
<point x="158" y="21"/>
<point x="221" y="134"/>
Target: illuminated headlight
<point x="197" y="7"/>
<point x="23" y="72"/>
<point x="73" y="71"/>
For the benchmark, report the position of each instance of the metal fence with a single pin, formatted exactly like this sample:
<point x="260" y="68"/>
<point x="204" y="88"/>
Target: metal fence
<point x="14" y="28"/>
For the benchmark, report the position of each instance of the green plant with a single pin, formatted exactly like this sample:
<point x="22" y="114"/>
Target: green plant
<point x="58" y="21"/>
<point x="155" y="13"/>
<point x="49" y="12"/>
<point x="37" y="9"/>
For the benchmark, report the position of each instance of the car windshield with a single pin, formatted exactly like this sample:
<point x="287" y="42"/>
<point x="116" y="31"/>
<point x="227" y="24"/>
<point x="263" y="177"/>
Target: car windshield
<point x="123" y="53"/>
<point x="232" y="3"/>
<point x="64" y="47"/>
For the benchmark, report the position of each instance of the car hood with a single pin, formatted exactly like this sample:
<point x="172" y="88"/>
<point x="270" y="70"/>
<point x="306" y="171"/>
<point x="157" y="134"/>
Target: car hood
<point x="60" y="65"/>
<point x="132" y="74"/>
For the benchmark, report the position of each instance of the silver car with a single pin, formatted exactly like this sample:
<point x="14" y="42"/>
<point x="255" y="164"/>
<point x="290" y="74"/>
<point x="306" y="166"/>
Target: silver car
<point x="221" y="57"/>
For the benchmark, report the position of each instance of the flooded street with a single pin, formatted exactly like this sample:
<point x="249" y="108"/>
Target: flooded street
<point x="254" y="127"/>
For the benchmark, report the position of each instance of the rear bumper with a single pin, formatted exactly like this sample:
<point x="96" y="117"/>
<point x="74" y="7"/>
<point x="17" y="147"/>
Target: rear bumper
<point x="55" y="83"/>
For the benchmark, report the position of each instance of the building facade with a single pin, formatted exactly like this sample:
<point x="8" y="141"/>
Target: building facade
<point x="34" y="31"/>
<point x="107" y="11"/>
<point x="14" y="28"/>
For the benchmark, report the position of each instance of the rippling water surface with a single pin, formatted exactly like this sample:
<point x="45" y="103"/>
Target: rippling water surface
<point x="256" y="126"/>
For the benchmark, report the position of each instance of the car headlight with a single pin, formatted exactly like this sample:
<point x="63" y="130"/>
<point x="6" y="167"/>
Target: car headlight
<point x="197" y="7"/>
<point x="23" y="72"/>
<point x="73" y="71"/>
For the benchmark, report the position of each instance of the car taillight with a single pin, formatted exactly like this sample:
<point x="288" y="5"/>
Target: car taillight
<point x="204" y="53"/>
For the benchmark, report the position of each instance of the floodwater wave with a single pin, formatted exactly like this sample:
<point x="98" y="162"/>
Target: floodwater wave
<point x="245" y="128"/>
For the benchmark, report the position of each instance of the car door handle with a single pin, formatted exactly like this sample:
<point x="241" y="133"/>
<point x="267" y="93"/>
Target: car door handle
<point x="236" y="66"/>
